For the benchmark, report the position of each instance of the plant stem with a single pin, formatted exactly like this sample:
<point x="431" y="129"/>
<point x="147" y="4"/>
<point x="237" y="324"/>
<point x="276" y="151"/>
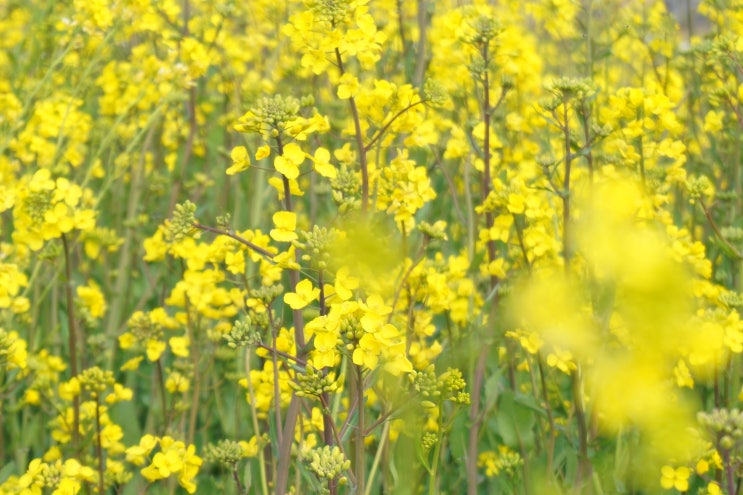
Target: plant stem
<point x="192" y="122"/>
<point x="254" y="418"/>
<point x="98" y="446"/>
<point x="475" y="419"/>
<point x="566" y="231"/>
<point x="236" y="477"/>
<point x="420" y="63"/>
<point x="72" y="341"/>
<point x="359" y="137"/>
<point x="729" y="471"/>
<point x="275" y="362"/>
<point x="550" y="418"/>
<point x="381" y="448"/>
<point x="584" y="464"/>
<point x="359" y="458"/>
<point x="292" y="412"/>
<point x="163" y="401"/>
<point x="263" y="252"/>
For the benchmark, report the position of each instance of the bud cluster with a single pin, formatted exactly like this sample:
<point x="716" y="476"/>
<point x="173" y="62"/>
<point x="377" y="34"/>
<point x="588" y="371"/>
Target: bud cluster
<point x="227" y="453"/>
<point x="142" y="326"/>
<point x="242" y="334"/>
<point x="317" y="246"/>
<point x="327" y="462"/>
<point x="315" y="383"/>
<point x="271" y="116"/>
<point x="181" y="225"/>
<point x="725" y="424"/>
<point x="96" y="380"/>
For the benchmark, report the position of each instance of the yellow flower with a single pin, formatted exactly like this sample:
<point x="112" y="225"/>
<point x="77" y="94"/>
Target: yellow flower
<point x="290" y="160"/>
<point x="176" y="382"/>
<point x="262" y="152"/>
<point x="119" y="394"/>
<point x="286" y="223"/>
<point x="495" y="268"/>
<point x="396" y="362"/>
<point x="179" y="346"/>
<point x="155" y="348"/>
<point x="137" y="454"/>
<point x="249" y="448"/>
<point x="348" y="87"/>
<point x="713" y="488"/>
<point x="278" y="184"/>
<point x="344" y="284"/>
<point x="675" y="478"/>
<point x="235" y="262"/>
<point x="132" y="364"/>
<point x="240" y="160"/>
<point x="304" y="295"/>
<point x="67" y="486"/>
<point x="70" y="389"/>
<point x="92" y="298"/>
<point x="322" y="163"/>
<point x="367" y="352"/>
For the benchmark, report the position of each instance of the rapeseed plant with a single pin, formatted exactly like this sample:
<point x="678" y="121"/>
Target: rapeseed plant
<point x="358" y="246"/>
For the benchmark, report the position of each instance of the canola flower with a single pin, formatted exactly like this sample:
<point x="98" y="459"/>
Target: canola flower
<point x="369" y="245"/>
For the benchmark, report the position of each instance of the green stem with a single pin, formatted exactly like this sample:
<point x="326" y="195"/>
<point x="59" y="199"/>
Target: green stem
<point x="163" y="399"/>
<point x="584" y="465"/>
<point x="378" y="457"/>
<point x="99" y="446"/>
<point x="359" y="138"/>
<point x="566" y="231"/>
<point x="292" y="412"/>
<point x="550" y="418"/>
<point x="359" y="458"/>
<point x="275" y="362"/>
<point x="254" y="419"/>
<point x="72" y="341"/>
<point x="435" y="462"/>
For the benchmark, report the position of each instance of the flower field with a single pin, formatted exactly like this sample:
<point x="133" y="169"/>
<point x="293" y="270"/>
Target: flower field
<point x="371" y="247"/>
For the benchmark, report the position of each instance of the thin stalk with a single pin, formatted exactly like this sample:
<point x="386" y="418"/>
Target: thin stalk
<point x="123" y="271"/>
<point x="285" y="446"/>
<point x="475" y="422"/>
<point x="254" y="419"/>
<point x="327" y="420"/>
<point x="550" y="417"/>
<point x="733" y="251"/>
<point x="378" y="457"/>
<point x="194" y="355"/>
<point x="99" y="446"/>
<point x="481" y="364"/>
<point x="163" y="401"/>
<point x="434" y="468"/>
<point x="420" y="63"/>
<point x="587" y="140"/>
<point x="192" y="123"/>
<point x="263" y="252"/>
<point x="729" y="471"/>
<point x="292" y="412"/>
<point x="72" y="341"/>
<point x="275" y="362"/>
<point x="336" y="436"/>
<point x="401" y="31"/>
<point x="378" y="135"/>
<point x="584" y="463"/>
<point x="236" y="477"/>
<point x="359" y="138"/>
<point x="566" y="233"/>
<point x="359" y="457"/>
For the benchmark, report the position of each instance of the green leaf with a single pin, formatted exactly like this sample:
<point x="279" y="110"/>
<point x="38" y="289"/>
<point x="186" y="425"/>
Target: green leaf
<point x="515" y="421"/>
<point x="6" y="471"/>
